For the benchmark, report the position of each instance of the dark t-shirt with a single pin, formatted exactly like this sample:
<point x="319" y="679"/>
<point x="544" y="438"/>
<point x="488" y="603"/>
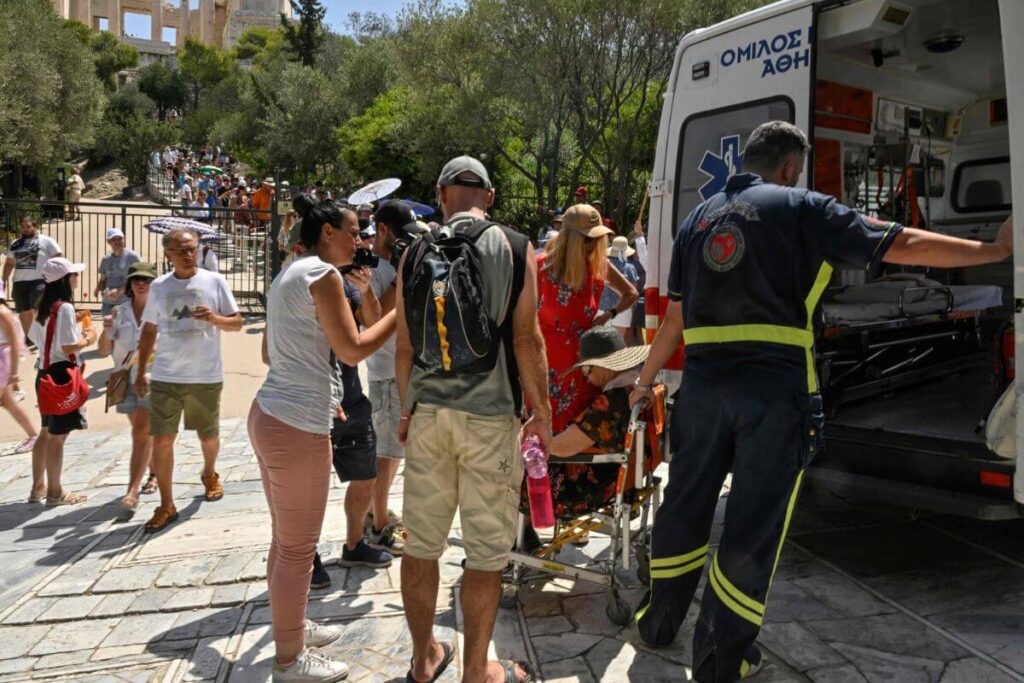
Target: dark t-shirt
<point x="353" y="400"/>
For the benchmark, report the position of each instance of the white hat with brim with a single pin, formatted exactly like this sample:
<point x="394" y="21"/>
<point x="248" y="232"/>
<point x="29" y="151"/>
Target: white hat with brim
<point x="620" y="247"/>
<point x="603" y="347"/>
<point x="114" y="232"/>
<point x="623" y="359"/>
<point x="268" y="181"/>
<point x="58" y="267"/>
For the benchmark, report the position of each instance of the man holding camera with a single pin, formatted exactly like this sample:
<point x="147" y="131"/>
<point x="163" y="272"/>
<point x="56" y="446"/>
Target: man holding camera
<point x="396" y="227"/>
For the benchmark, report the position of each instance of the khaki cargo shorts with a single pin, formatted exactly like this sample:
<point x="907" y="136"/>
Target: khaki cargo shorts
<point x="199" y="402"/>
<point x="459" y="460"/>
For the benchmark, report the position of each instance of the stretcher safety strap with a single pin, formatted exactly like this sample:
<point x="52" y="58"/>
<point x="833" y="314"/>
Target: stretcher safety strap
<point x="671" y="567"/>
<point x="733" y="598"/>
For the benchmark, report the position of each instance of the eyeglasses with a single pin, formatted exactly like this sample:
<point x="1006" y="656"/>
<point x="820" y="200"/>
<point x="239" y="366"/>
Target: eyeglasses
<point x="142" y="280"/>
<point x="184" y="251"/>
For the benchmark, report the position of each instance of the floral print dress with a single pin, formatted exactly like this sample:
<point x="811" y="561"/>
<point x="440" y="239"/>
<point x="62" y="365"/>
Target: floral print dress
<point x="564" y="316"/>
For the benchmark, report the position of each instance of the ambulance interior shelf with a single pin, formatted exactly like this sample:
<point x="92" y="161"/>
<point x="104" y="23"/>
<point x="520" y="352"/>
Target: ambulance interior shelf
<point x="899" y="331"/>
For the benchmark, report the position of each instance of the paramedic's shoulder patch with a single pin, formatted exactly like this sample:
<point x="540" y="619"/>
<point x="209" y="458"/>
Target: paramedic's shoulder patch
<point x="724" y="247"/>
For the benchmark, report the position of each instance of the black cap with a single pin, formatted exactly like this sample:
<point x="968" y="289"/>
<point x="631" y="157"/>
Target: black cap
<point x="399" y="218"/>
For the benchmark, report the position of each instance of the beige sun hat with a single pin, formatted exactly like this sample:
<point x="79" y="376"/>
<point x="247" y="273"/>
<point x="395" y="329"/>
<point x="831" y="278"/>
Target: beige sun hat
<point x="620" y="247"/>
<point x="603" y="347"/>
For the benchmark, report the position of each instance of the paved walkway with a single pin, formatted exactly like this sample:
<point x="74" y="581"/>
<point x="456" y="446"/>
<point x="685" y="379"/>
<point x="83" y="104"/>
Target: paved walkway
<point x="861" y="593"/>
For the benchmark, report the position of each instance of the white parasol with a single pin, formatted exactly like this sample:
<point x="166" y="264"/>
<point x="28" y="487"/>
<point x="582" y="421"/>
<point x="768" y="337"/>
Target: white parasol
<point x="374" y="192"/>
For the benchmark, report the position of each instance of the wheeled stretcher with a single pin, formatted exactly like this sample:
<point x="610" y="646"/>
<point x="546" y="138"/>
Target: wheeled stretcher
<point x="637" y="494"/>
<point x="880" y="337"/>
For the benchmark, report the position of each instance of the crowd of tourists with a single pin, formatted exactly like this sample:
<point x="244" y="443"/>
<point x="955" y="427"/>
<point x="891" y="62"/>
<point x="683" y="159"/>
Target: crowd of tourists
<point x="475" y="344"/>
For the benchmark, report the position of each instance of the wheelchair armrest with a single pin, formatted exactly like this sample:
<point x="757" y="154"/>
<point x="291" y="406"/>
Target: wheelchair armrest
<point x="589" y="459"/>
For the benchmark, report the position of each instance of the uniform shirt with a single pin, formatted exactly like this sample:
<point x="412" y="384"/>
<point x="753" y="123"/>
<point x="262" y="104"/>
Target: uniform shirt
<point x="29" y="254"/>
<point x="752" y="253"/>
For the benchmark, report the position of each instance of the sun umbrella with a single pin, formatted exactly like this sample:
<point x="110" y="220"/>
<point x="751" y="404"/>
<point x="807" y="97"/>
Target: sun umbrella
<point x="420" y="209"/>
<point x="211" y="169"/>
<point x="162" y="226"/>
<point x="375" y="191"/>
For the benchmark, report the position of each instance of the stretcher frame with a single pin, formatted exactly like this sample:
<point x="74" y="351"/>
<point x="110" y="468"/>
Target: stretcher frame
<point x="635" y="474"/>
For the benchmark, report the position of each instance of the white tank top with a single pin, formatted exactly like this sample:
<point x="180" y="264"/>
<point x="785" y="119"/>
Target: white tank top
<point x="298" y="390"/>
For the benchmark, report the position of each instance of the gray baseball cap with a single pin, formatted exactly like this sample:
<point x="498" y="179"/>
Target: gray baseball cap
<point x="452" y="172"/>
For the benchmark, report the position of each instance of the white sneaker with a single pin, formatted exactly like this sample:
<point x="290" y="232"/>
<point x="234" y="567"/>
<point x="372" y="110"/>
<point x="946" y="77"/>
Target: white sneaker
<point x="318" y="635"/>
<point x="312" y="665"/>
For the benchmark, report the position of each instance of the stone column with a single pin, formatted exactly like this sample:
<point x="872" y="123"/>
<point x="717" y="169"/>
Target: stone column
<point x="114" y="17"/>
<point x="83" y="12"/>
<point x="182" y="32"/>
<point x="206" y="10"/>
<point x="156" y="16"/>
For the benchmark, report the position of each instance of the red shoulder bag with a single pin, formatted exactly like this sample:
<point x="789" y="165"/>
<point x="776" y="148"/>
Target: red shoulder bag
<point x="60" y="399"/>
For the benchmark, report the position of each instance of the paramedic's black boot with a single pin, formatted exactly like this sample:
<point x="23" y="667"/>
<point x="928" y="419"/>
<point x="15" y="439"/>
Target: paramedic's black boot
<point x="752" y="662"/>
<point x="659" y="623"/>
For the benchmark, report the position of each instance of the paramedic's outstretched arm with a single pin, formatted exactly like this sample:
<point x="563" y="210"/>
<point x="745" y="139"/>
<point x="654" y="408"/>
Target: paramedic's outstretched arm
<point x="528" y="346"/>
<point x="913" y="247"/>
<point x="665" y="343"/>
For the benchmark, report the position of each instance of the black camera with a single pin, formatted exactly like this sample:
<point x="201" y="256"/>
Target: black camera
<point x="396" y="252"/>
<point x="364" y="258"/>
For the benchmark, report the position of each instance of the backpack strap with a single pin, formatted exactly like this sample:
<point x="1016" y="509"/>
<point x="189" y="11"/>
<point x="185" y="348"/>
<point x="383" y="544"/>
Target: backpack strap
<point x="51" y="326"/>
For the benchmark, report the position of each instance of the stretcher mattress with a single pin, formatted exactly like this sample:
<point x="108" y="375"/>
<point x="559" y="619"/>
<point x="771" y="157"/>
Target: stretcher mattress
<point x="875" y="305"/>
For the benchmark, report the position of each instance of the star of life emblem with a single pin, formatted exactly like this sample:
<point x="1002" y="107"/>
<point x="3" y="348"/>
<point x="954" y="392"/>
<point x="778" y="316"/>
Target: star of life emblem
<point x="720" y="167"/>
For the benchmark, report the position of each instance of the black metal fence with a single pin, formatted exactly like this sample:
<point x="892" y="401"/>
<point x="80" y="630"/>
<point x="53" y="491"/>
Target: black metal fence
<point x="244" y="247"/>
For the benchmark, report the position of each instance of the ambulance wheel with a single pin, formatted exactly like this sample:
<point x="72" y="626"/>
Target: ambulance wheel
<point x="618" y="612"/>
<point x="509" y="597"/>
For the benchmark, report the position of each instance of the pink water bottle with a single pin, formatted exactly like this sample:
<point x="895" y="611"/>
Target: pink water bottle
<point x="538" y="485"/>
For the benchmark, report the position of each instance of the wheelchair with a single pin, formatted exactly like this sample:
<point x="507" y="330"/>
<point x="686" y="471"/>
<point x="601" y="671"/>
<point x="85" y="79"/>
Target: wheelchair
<point x="637" y="494"/>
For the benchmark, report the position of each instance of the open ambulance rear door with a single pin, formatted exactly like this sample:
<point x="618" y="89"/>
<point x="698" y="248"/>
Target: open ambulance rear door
<point x="726" y="81"/>
<point x="1011" y="13"/>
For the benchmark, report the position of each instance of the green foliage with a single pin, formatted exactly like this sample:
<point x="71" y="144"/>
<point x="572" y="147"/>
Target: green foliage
<point x="166" y="87"/>
<point x="203" y="66"/>
<point x="258" y="41"/>
<point x="305" y="35"/>
<point x="129" y="133"/>
<point x="110" y="56"/>
<point x="51" y="99"/>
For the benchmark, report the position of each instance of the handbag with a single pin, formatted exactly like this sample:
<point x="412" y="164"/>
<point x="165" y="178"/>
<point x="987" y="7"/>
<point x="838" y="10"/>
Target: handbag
<point x="117" y="383"/>
<point x="54" y="398"/>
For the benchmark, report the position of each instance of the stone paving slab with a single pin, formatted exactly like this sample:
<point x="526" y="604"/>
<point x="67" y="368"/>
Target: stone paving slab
<point x="861" y="593"/>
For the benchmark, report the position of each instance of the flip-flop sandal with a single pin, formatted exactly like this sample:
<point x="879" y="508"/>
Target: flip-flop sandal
<point x="449" y="655"/>
<point x="510" y="671"/>
<point x="150" y="485"/>
<point x="66" y="498"/>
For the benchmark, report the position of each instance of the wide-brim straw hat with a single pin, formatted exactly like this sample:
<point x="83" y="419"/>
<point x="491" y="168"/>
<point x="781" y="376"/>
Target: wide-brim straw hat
<point x="603" y="347"/>
<point x="620" y="247"/>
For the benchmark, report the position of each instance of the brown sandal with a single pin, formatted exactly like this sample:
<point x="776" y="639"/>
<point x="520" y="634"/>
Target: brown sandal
<point x="150" y="485"/>
<point x="214" y="491"/>
<point x="66" y="498"/>
<point x="161" y="518"/>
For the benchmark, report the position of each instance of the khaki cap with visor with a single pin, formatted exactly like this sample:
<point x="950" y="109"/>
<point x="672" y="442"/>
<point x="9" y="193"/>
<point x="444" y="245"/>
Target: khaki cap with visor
<point x="586" y="220"/>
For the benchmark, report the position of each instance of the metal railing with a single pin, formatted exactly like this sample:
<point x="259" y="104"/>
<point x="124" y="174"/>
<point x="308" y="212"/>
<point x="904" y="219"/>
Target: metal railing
<point x="243" y="248"/>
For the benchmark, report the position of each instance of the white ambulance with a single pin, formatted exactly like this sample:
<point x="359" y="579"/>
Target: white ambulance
<point x="916" y="113"/>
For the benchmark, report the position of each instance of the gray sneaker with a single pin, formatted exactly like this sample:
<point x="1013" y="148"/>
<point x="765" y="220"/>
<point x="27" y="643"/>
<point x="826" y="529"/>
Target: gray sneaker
<point x="318" y="635"/>
<point x="312" y="665"/>
<point x="390" y="538"/>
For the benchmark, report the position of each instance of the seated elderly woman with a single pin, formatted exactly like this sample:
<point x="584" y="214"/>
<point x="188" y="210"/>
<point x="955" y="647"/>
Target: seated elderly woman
<point x="612" y="367"/>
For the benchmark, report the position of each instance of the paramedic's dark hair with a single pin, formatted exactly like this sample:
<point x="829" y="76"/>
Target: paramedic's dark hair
<point x="771" y="143"/>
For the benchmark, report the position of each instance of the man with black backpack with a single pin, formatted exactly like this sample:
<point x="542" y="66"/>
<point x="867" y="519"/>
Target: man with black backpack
<point x="468" y="347"/>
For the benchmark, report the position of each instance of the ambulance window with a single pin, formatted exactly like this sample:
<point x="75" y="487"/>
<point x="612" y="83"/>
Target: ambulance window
<point x="982" y="186"/>
<point x="710" y="146"/>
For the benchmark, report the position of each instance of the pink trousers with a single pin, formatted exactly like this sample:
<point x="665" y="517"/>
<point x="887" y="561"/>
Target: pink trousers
<point x="296" y="471"/>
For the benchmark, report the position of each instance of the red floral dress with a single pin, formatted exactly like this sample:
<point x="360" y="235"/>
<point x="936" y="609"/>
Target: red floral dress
<point x="564" y="316"/>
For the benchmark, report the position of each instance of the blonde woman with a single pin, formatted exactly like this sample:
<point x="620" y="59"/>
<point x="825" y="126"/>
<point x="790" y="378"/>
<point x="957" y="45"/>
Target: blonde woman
<point x="571" y="276"/>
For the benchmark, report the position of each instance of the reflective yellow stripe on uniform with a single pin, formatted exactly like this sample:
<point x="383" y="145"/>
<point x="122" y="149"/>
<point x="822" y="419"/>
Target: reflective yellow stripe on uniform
<point x="733" y="598"/>
<point x="671" y="567"/>
<point x="772" y="334"/>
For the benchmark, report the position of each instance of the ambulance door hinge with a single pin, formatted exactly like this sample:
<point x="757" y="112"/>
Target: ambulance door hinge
<point x="657" y="188"/>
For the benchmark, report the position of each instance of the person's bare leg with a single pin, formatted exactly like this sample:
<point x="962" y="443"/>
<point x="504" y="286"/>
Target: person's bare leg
<point x="211" y="447"/>
<point x="17" y="412"/>
<point x="420" y="580"/>
<point x="39" y="460"/>
<point x="162" y="465"/>
<point x="142" y="449"/>
<point x="387" y="468"/>
<point x="357" y="504"/>
<point x="479" y="597"/>
<point x="54" y="464"/>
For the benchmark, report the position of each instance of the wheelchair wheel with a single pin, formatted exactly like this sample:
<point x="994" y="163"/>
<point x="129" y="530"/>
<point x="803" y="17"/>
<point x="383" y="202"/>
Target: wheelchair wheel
<point x="509" y="597"/>
<point x="618" y="612"/>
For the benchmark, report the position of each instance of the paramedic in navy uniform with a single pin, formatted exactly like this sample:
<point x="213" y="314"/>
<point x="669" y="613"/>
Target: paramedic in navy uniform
<point x="748" y="268"/>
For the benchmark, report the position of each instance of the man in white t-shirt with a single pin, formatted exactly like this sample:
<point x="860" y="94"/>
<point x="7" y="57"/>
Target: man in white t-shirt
<point x="396" y="226"/>
<point x="187" y="308"/>
<point x="26" y="257"/>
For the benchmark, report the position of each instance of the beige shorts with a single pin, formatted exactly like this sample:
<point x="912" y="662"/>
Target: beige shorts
<point x="459" y="460"/>
<point x="200" y="404"/>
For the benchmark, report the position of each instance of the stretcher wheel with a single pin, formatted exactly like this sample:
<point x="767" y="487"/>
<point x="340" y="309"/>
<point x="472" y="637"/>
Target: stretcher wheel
<point x="509" y="597"/>
<point x="618" y="612"/>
